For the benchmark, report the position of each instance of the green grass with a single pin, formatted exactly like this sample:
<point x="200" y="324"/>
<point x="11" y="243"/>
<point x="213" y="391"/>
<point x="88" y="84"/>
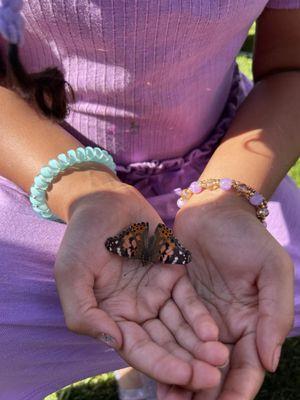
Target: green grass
<point x="244" y="61"/>
<point x="245" y="57"/>
<point x="284" y="385"/>
<point x="102" y="387"/>
<point x="295" y="174"/>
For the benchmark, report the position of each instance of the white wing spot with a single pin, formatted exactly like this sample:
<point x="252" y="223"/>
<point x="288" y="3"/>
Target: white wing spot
<point x="119" y="251"/>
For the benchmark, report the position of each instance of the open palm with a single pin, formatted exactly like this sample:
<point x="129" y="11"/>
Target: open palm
<point x="245" y="279"/>
<point x="150" y="314"/>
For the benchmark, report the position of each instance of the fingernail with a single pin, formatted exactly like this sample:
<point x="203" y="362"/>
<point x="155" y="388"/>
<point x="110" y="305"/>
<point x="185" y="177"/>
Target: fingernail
<point x="224" y="365"/>
<point x="276" y="358"/>
<point x="107" y="339"/>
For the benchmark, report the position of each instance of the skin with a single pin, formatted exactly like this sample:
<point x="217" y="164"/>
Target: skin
<point x="153" y="316"/>
<point x="242" y="274"/>
<point x="242" y="290"/>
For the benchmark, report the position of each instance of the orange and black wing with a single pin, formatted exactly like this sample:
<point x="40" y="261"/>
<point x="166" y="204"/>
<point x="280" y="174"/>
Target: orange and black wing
<point x="130" y="242"/>
<point x="166" y="248"/>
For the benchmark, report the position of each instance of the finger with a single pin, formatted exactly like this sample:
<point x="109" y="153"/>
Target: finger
<point x="193" y="310"/>
<point x="208" y="394"/>
<point x="213" y="393"/>
<point x="203" y="374"/>
<point x="160" y="334"/>
<point x="212" y="352"/>
<point x="162" y="390"/>
<point x="81" y="311"/>
<point x="246" y="374"/>
<point x="142" y="353"/>
<point x="171" y="392"/>
<point x="276" y="310"/>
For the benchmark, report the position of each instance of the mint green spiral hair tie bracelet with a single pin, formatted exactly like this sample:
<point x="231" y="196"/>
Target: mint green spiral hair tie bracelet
<point x="55" y="167"/>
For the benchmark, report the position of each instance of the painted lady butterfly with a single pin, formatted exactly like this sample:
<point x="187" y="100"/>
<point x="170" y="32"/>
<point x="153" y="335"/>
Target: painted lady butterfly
<point x="162" y="247"/>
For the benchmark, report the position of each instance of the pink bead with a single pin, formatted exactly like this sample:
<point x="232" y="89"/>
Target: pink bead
<point x="195" y="188"/>
<point x="225" y="183"/>
<point x="181" y="203"/>
<point x="256" y="199"/>
<point x="178" y="191"/>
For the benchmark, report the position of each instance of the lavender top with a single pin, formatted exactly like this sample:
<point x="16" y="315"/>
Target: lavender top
<point x="151" y="77"/>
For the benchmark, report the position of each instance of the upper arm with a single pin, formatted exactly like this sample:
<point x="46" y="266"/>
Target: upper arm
<point x="277" y="41"/>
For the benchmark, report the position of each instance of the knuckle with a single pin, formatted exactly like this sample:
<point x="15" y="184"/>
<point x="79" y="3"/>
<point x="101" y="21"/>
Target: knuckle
<point x="181" y="331"/>
<point x="138" y="346"/>
<point x="74" y="323"/>
<point x="198" y="349"/>
<point x="192" y="300"/>
<point x="150" y="325"/>
<point x="163" y="310"/>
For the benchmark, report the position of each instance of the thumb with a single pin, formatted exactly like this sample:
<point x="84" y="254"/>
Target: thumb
<point x="276" y="309"/>
<point x="95" y="323"/>
<point x="81" y="310"/>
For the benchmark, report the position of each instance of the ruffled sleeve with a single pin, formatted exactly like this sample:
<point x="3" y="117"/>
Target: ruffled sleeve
<point x="11" y="21"/>
<point x="283" y="4"/>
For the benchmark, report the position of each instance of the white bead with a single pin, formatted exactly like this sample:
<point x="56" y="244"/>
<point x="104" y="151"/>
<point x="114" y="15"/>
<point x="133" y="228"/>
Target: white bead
<point x="180" y="202"/>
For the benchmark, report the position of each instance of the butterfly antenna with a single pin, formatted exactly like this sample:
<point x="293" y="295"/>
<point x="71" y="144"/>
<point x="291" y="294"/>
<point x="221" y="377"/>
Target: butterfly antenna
<point x="147" y="273"/>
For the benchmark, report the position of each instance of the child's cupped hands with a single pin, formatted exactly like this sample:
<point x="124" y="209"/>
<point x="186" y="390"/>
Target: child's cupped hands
<point x="150" y="314"/>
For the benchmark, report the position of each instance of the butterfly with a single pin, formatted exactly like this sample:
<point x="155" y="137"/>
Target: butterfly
<point x="162" y="247"/>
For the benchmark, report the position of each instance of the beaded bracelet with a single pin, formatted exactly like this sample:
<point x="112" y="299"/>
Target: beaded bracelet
<point x="254" y="198"/>
<point x="55" y="167"/>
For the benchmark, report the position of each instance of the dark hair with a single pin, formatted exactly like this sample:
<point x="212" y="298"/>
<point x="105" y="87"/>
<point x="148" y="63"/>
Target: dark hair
<point x="47" y="90"/>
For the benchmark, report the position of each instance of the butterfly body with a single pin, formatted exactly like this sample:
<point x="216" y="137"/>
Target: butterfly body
<point x="162" y="247"/>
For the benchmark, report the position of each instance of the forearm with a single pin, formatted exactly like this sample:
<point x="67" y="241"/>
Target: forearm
<point x="28" y="141"/>
<point x="263" y="141"/>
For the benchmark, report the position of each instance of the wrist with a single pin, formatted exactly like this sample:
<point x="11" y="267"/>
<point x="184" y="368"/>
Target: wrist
<point x="73" y="187"/>
<point x="212" y="203"/>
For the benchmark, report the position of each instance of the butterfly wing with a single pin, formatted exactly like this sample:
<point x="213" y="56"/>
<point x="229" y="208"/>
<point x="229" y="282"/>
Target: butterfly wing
<point x="130" y="242"/>
<point x="165" y="248"/>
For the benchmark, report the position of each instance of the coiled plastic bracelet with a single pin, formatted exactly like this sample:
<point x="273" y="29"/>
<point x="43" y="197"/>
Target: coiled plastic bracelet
<point x="55" y="167"/>
<point x="254" y="198"/>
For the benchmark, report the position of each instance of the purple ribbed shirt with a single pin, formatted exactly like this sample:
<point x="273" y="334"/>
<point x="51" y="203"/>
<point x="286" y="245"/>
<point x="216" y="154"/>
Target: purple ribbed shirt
<point x="151" y="77"/>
